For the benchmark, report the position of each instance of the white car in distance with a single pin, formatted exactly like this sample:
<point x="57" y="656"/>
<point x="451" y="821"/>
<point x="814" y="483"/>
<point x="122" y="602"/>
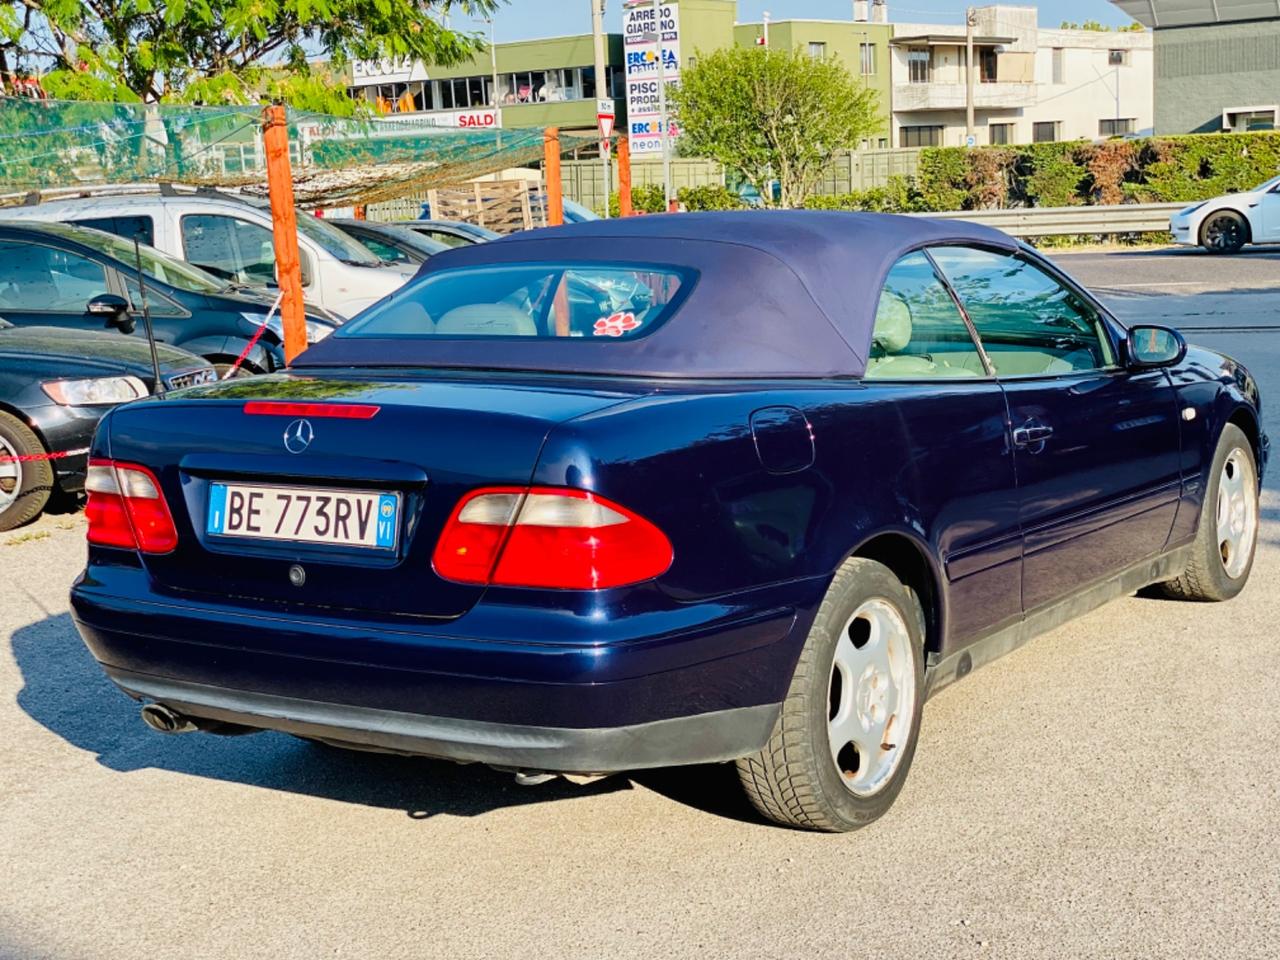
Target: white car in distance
<point x="228" y="235"/>
<point x="1225" y="224"/>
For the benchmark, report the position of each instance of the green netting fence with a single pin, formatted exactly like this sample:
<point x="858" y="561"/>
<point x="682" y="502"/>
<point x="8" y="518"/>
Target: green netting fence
<point x="51" y="144"/>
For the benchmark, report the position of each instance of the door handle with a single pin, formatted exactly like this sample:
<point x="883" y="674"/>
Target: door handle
<point x="1030" y="434"/>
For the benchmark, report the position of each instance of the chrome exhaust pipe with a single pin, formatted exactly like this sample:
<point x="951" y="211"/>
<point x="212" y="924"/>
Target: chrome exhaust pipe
<point x="163" y="720"/>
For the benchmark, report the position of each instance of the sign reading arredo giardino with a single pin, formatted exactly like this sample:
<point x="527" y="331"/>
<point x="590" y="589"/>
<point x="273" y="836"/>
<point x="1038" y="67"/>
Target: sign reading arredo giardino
<point x="643" y="113"/>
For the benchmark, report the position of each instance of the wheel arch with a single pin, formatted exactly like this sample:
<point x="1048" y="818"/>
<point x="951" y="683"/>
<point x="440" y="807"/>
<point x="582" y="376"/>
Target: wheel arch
<point x="1244" y="217"/>
<point x="17" y="413"/>
<point x="1244" y="417"/>
<point x="913" y="563"/>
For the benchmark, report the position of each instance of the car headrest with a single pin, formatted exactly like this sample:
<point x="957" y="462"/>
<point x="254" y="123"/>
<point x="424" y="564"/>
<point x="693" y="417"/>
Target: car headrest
<point x="491" y="319"/>
<point x="893" y="323"/>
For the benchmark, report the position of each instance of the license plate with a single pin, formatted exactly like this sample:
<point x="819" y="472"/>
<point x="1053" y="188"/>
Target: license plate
<point x="345" y="518"/>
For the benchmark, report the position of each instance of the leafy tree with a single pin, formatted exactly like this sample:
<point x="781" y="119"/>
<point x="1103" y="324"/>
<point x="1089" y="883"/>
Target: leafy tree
<point x="772" y="115"/>
<point x="223" y="51"/>
<point x="1098" y="27"/>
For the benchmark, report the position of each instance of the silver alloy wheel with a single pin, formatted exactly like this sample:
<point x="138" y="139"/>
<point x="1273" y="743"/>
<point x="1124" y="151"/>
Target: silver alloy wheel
<point x="1237" y="513"/>
<point x="10" y="475"/>
<point x="872" y="697"/>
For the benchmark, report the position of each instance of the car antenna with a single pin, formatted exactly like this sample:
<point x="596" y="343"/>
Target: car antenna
<point x="158" y="389"/>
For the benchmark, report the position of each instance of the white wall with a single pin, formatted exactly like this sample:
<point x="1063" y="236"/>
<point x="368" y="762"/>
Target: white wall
<point x="1086" y="96"/>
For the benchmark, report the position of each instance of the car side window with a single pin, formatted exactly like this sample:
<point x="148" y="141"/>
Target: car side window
<point x="48" y="280"/>
<point x="157" y="303"/>
<point x="446" y="238"/>
<point x="919" y="333"/>
<point x="142" y="228"/>
<point x="1029" y="323"/>
<point x="229" y="247"/>
<point x="385" y="251"/>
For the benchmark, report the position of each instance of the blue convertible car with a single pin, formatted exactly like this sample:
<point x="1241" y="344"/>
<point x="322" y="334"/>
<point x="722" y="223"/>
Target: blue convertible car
<point x="669" y="490"/>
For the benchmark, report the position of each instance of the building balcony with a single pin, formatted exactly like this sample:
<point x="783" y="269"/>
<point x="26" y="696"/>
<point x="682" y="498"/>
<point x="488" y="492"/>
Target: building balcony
<point x="951" y="96"/>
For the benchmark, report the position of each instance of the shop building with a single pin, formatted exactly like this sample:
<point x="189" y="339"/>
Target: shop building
<point x="1217" y="63"/>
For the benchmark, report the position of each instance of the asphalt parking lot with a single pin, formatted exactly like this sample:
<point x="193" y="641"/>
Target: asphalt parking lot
<point x="1110" y="790"/>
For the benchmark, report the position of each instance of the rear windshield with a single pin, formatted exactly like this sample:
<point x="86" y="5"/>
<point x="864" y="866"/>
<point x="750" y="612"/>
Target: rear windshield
<point x="609" y="301"/>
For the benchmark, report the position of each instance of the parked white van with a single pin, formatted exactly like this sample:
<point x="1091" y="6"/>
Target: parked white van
<point x="228" y="235"/>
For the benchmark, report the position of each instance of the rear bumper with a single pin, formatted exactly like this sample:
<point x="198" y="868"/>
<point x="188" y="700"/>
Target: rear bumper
<point x="700" y="684"/>
<point x="703" y="738"/>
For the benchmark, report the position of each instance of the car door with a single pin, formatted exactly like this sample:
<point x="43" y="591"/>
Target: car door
<point x="931" y="386"/>
<point x="1096" y="447"/>
<point x="42" y="285"/>
<point x="1269" y="205"/>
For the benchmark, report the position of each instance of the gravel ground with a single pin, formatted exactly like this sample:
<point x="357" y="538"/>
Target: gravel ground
<point x="1110" y="790"/>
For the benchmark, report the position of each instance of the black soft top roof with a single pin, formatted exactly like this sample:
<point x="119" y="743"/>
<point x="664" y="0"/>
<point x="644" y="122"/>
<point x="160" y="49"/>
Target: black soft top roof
<point x="778" y="294"/>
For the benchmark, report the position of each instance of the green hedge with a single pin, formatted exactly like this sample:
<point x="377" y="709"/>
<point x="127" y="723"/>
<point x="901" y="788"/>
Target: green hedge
<point x="1153" y="170"/>
<point x="649" y="198"/>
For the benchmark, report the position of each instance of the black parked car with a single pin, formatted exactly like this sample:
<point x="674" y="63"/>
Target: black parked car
<point x="452" y="233"/>
<point x="392" y="242"/>
<point x="53" y="274"/>
<point x="55" y="385"/>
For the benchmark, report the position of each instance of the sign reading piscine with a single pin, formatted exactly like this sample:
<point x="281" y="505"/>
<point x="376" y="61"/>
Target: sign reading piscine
<point x="641" y="27"/>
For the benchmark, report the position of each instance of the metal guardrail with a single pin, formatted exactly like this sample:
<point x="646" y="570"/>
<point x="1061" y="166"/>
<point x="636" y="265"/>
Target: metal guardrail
<point x="1058" y="221"/>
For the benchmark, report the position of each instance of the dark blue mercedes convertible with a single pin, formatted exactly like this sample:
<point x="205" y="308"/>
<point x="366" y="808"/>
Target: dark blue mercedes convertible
<point x="667" y="490"/>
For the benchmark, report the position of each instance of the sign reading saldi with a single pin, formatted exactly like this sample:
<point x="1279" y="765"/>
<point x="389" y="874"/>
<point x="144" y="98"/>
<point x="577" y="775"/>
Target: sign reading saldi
<point x="640" y="29"/>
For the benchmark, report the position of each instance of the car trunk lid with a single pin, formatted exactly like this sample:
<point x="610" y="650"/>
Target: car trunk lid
<point x="430" y="440"/>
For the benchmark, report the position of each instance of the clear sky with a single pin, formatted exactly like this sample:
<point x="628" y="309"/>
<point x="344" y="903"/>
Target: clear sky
<point x="529" y="19"/>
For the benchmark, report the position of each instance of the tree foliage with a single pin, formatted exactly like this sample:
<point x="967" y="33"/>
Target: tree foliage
<point x="772" y="115"/>
<point x="222" y="51"/>
<point x="1098" y="27"/>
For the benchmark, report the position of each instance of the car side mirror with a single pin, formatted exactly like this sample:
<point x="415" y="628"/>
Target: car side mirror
<point x="113" y="310"/>
<point x="1150" y="346"/>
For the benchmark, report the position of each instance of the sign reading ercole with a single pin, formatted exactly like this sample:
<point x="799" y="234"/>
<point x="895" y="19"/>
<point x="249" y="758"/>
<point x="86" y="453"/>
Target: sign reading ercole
<point x="386" y="70"/>
<point x="640" y="28"/>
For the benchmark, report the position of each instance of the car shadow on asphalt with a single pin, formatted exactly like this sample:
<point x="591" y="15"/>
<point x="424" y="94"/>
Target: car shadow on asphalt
<point x="65" y="691"/>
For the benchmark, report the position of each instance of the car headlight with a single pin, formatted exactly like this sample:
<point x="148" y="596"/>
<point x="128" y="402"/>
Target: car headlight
<point x="97" y="391"/>
<point x="1192" y="209"/>
<point x="316" y="331"/>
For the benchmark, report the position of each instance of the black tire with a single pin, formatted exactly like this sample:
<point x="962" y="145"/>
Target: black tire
<point x="1205" y="577"/>
<point x="1224" y="231"/>
<point x="34" y="482"/>
<point x="795" y="780"/>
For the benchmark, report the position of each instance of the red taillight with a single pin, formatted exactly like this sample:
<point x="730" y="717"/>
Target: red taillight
<point x="548" y="537"/>
<point x="126" y="508"/>
<point x="332" y="411"/>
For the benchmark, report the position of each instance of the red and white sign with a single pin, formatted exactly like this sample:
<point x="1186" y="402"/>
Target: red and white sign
<point x="605" y="114"/>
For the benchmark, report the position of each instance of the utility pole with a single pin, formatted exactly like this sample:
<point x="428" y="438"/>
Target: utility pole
<point x="493" y="65"/>
<point x="970" y="19"/>
<point x="602" y="89"/>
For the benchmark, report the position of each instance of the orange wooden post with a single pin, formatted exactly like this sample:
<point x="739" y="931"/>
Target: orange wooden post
<point x="624" y="176"/>
<point x="555" y="187"/>
<point x="284" y="224"/>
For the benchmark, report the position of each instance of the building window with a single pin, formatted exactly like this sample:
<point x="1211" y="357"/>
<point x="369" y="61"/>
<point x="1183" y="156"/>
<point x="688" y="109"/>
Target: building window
<point x="919" y="64"/>
<point x="1000" y="133"/>
<point x="1117" y="58"/>
<point x="987" y="65"/>
<point x="1059" y="66"/>
<point x="1249" y="119"/>
<point x="1115" y="128"/>
<point x="868" y="58"/>
<point x="1045" y="131"/>
<point x="817" y="50"/>
<point x="920" y="136"/>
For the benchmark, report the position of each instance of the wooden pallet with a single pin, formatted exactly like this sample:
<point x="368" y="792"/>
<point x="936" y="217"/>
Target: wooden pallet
<point x="501" y="205"/>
